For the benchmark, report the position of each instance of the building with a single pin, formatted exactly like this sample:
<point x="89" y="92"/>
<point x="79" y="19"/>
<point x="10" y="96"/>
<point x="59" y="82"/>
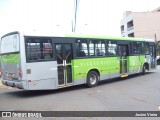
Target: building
<point x="141" y="24"/>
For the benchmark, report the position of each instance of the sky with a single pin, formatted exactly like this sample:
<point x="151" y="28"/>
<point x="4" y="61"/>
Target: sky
<point x="93" y="17"/>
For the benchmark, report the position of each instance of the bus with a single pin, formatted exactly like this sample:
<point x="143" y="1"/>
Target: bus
<point x="42" y="62"/>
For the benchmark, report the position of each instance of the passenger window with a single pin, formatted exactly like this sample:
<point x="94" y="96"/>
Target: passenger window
<point x="112" y="48"/>
<point x="146" y="48"/>
<point x="97" y="48"/>
<point x="91" y="48"/>
<point x="81" y="48"/>
<point x="136" y="48"/>
<point x="38" y="49"/>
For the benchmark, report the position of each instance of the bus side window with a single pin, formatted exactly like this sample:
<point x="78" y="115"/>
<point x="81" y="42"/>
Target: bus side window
<point x="81" y="54"/>
<point x="146" y="48"/>
<point x="38" y="49"/>
<point x="101" y="51"/>
<point x="112" y="48"/>
<point x="136" y="47"/>
<point x="51" y="54"/>
<point x="81" y="48"/>
<point x="59" y="54"/>
<point x="97" y="48"/>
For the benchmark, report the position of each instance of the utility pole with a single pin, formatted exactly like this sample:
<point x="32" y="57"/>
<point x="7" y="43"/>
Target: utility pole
<point x="74" y="22"/>
<point x="157" y="45"/>
<point x="155" y="36"/>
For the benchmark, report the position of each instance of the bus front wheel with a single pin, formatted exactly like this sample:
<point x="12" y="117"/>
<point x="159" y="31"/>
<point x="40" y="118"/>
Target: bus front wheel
<point x="92" y="79"/>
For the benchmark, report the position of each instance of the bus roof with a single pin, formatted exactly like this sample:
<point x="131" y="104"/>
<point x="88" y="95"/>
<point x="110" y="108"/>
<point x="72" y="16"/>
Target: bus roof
<point x="149" y="40"/>
<point x="103" y="37"/>
<point x="73" y="35"/>
<point x="36" y="33"/>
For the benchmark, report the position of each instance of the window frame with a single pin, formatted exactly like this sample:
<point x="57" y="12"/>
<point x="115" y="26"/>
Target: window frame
<point x="148" y="48"/>
<point x="39" y="38"/>
<point x="107" y="46"/>
<point x="131" y="48"/>
<point x="83" y="41"/>
<point x="94" y="47"/>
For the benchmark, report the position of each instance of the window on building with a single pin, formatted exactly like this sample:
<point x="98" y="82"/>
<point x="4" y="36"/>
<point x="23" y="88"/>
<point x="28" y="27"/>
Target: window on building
<point x="131" y="35"/>
<point x="111" y="48"/>
<point x="81" y="48"/>
<point x="122" y="28"/>
<point x="38" y="49"/>
<point x="130" y="25"/>
<point x="97" y="48"/>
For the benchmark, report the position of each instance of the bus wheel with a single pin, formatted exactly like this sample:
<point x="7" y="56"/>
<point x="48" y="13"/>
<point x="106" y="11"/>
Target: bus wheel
<point x="143" y="70"/>
<point x="92" y="79"/>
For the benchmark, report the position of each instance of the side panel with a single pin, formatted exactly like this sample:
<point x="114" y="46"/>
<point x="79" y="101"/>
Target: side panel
<point x="107" y="67"/>
<point x="136" y="63"/>
<point x="42" y="75"/>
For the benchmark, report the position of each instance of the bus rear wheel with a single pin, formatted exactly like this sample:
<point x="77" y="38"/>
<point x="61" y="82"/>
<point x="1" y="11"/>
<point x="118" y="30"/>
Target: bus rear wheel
<point x="92" y="79"/>
<point x="143" y="70"/>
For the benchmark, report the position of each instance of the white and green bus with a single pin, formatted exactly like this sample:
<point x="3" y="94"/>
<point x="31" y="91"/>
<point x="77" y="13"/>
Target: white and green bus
<point x="41" y="62"/>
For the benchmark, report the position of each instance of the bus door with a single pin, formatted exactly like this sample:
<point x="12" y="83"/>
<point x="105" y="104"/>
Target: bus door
<point x="64" y="69"/>
<point x="123" y="53"/>
<point x="153" y="56"/>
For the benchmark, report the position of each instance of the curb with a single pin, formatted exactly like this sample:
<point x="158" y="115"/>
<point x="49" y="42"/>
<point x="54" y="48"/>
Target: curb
<point x="1" y="85"/>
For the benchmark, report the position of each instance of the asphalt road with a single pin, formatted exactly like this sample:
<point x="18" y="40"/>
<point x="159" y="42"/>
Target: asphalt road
<point x="135" y="93"/>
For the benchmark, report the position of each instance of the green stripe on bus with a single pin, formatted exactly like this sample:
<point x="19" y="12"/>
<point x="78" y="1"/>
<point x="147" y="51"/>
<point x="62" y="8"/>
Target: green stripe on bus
<point x="105" y="66"/>
<point x="103" y="37"/>
<point x="10" y="58"/>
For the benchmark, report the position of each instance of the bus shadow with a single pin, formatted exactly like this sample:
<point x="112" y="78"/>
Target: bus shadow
<point x="118" y="79"/>
<point x="34" y="93"/>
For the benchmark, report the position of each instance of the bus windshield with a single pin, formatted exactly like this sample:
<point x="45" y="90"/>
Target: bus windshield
<point x="10" y="43"/>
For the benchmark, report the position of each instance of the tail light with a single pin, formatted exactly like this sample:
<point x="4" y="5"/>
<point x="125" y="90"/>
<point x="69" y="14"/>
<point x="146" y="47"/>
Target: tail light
<point x="20" y="72"/>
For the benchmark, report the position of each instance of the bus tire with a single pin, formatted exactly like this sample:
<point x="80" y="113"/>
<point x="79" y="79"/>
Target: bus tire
<point x="143" y="70"/>
<point x="92" y="79"/>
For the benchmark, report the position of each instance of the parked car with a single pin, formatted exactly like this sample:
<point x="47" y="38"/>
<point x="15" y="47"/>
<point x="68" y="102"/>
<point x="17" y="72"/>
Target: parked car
<point x="158" y="60"/>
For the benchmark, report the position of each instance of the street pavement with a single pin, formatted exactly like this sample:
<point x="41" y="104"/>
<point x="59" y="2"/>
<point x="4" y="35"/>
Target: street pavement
<point x="135" y="93"/>
<point x="1" y="85"/>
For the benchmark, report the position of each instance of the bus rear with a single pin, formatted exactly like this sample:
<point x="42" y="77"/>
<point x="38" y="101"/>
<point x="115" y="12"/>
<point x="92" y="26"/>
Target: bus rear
<point x="10" y="60"/>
